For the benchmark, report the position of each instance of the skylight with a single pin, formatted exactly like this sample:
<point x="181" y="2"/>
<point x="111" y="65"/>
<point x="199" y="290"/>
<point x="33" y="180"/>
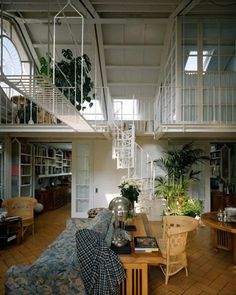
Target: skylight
<point x="191" y="64"/>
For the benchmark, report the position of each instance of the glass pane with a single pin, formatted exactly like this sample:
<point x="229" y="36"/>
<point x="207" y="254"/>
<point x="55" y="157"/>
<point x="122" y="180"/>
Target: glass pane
<point x="211" y="31"/>
<point x="82" y="191"/>
<point x="82" y="205"/>
<point x="190" y="31"/>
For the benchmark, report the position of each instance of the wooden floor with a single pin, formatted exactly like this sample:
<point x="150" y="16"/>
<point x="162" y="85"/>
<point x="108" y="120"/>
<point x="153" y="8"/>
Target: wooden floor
<point x="209" y="272"/>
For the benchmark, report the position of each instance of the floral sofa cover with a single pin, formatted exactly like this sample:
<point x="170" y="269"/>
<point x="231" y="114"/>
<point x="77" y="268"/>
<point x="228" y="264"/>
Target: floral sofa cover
<point x="57" y="270"/>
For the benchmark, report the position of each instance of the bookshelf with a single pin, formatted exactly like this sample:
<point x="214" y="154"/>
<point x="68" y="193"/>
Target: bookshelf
<point x="21" y="168"/>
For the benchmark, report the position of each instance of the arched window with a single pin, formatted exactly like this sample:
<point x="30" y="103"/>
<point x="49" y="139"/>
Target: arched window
<point x="14" y="60"/>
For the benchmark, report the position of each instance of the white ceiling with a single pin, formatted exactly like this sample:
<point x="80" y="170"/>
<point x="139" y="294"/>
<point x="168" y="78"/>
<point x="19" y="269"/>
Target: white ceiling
<point x="126" y="40"/>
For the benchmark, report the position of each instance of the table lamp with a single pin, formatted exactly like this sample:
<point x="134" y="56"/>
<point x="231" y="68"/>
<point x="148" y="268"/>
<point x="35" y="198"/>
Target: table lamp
<point x="120" y="206"/>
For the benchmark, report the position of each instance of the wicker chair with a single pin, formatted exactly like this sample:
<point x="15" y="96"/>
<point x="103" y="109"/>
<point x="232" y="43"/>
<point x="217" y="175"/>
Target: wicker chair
<point x="173" y="243"/>
<point x="23" y="207"/>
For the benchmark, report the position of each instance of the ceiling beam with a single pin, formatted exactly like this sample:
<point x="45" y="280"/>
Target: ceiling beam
<point x="63" y="45"/>
<point x="29" y="43"/>
<point x="141" y="84"/>
<point x="135" y="2"/>
<point x="44" y="21"/>
<point x="100" y="56"/>
<point x="131" y="67"/>
<point x="137" y="8"/>
<point x="190" y="7"/>
<point x="132" y="46"/>
<point x="184" y="7"/>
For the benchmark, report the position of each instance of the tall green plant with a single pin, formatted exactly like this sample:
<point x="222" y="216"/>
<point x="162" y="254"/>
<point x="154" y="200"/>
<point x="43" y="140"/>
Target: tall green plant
<point x="173" y="186"/>
<point x="178" y="163"/>
<point x="68" y="77"/>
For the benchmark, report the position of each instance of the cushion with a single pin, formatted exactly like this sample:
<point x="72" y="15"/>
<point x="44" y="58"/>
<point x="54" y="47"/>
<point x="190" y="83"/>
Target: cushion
<point x="101" y="222"/>
<point x="75" y="223"/>
<point x="93" y="212"/>
<point x="110" y="232"/>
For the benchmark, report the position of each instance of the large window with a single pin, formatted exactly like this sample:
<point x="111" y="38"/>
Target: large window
<point x="209" y="70"/>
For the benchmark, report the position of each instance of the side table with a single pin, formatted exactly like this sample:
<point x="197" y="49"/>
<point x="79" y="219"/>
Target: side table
<point x="10" y="229"/>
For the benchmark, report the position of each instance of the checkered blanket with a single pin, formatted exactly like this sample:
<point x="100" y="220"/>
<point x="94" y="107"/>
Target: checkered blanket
<point x="101" y="269"/>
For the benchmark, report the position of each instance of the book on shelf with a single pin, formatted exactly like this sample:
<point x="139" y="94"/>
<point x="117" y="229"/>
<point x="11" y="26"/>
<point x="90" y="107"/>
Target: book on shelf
<point x="145" y="244"/>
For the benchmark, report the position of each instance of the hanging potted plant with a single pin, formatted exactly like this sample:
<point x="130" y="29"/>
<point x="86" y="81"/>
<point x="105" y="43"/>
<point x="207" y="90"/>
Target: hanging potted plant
<point x="68" y="77"/>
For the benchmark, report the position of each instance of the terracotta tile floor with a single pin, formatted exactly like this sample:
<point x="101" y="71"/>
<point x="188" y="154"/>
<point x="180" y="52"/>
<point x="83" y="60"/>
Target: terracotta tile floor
<point x="209" y="272"/>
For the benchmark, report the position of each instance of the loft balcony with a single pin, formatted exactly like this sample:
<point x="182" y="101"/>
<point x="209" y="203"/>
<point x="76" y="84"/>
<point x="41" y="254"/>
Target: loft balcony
<point x="193" y="111"/>
<point x="208" y="111"/>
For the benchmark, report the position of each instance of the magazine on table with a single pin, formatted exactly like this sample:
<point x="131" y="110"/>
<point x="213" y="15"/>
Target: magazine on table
<point x="145" y="244"/>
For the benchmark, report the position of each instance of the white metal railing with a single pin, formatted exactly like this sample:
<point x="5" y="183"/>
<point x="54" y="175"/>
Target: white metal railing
<point x="123" y="146"/>
<point x="34" y="100"/>
<point x="38" y="89"/>
<point x="192" y="105"/>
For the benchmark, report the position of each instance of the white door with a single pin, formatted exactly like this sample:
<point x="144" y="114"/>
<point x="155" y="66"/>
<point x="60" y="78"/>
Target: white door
<point x="81" y="179"/>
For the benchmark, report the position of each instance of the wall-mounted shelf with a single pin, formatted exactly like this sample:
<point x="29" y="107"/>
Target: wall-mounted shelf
<point x="53" y="175"/>
<point x="51" y="162"/>
<point x="21" y="168"/>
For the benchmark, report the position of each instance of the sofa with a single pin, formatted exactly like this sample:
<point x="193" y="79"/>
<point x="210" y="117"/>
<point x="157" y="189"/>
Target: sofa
<point x="57" y="270"/>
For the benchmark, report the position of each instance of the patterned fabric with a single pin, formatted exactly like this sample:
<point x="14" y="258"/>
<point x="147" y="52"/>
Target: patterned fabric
<point x="109" y="234"/>
<point x="101" y="269"/>
<point x="55" y="272"/>
<point x="93" y="212"/>
<point x="76" y="223"/>
<point x="101" y="222"/>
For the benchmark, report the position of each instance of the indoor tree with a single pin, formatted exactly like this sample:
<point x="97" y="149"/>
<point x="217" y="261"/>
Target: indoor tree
<point x="178" y="165"/>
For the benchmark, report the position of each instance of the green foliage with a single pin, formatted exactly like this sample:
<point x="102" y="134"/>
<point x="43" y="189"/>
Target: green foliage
<point x="192" y="207"/>
<point x="178" y="163"/>
<point x="173" y="187"/>
<point x="130" y="189"/>
<point x="68" y="77"/>
<point x="170" y="190"/>
<point x="184" y="205"/>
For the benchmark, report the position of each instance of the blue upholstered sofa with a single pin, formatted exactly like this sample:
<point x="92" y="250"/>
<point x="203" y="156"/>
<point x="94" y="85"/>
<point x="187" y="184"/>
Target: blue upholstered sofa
<point x="57" y="270"/>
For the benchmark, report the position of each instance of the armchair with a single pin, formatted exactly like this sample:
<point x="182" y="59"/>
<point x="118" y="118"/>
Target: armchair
<point x="173" y="243"/>
<point x="23" y="207"/>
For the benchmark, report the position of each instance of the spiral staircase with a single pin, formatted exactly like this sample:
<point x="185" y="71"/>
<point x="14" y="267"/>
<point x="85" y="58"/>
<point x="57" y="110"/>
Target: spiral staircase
<point x="138" y="163"/>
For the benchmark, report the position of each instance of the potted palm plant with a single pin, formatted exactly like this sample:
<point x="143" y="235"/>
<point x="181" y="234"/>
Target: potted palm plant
<point x="179" y="174"/>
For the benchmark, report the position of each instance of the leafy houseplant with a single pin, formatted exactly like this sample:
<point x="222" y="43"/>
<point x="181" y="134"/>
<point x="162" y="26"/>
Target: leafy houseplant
<point x="173" y="186"/>
<point x="130" y="189"/>
<point x="68" y="77"/>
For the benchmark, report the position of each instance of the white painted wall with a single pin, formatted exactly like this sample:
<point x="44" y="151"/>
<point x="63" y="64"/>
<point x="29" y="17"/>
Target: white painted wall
<point x="106" y="177"/>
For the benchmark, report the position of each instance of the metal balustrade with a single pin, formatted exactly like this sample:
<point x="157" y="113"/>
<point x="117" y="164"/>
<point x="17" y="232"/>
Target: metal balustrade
<point x="192" y="106"/>
<point x="35" y="100"/>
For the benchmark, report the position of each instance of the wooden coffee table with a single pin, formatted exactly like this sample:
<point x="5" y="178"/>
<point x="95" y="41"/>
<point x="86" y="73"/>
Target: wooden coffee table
<point x="136" y="264"/>
<point x="223" y="233"/>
